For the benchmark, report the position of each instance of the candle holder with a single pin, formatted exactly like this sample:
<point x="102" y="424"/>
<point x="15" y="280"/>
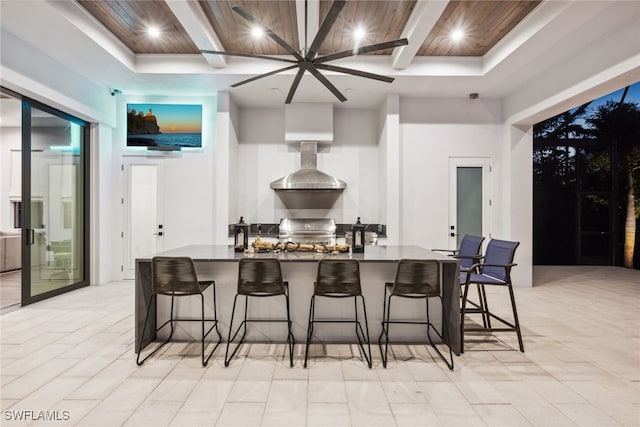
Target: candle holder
<point x="241" y="236"/>
<point x="357" y="232"/>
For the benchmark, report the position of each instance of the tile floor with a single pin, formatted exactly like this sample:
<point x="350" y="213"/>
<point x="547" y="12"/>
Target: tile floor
<point x="10" y="288"/>
<point x="71" y="358"/>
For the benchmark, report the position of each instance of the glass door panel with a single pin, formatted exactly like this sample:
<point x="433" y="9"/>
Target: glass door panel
<point x="469" y="203"/>
<point x="56" y="229"/>
<point x="469" y="200"/>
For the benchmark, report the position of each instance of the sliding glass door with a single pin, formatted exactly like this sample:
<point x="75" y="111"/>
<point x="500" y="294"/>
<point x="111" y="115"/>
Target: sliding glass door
<point x="55" y="208"/>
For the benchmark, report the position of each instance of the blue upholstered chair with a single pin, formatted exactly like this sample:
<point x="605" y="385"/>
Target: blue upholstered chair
<point x="494" y="270"/>
<point x="469" y="251"/>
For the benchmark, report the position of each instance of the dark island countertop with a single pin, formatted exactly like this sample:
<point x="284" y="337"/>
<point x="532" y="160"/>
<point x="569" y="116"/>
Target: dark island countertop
<point x="203" y="253"/>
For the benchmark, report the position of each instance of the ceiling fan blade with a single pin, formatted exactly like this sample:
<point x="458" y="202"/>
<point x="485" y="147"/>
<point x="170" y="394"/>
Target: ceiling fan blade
<point x="248" y="55"/>
<point x="318" y="75"/>
<point x="294" y="86"/>
<point x="324" y="29"/>
<point x="363" y="49"/>
<point x="246" y="15"/>
<point x="271" y="73"/>
<point x="355" y="72"/>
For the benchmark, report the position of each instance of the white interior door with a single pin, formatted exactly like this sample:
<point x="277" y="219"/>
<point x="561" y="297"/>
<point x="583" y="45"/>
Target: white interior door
<point x="470" y="201"/>
<point x="143" y="212"/>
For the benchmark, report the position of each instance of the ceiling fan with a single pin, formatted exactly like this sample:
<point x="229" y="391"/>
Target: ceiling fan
<point x="308" y="60"/>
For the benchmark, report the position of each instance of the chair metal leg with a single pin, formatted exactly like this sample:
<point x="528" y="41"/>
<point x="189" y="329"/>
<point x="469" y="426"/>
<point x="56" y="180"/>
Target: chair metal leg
<point x="215" y="315"/>
<point x="144" y="328"/>
<point x="227" y="357"/>
<point x="515" y="318"/>
<point x="444" y="330"/>
<point x="170" y="322"/>
<point x="359" y="325"/>
<point x="171" y="317"/>
<point x="146" y="321"/>
<point x="360" y="332"/>
<point x="486" y="318"/>
<point x="205" y="358"/>
<point x="290" y="338"/>
<point x="309" y="328"/>
<point x="386" y="308"/>
<point x="511" y="327"/>
<point x="462" y="314"/>
<point x="482" y="303"/>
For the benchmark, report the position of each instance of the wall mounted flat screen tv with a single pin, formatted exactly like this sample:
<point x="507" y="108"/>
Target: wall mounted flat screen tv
<point x="164" y="126"/>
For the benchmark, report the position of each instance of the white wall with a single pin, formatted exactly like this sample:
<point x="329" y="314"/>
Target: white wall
<point x="11" y="138"/>
<point x="518" y="198"/>
<point x="426" y="150"/>
<point x="189" y="177"/>
<point x="431" y="132"/>
<point x="225" y="172"/>
<point x="263" y="157"/>
<point x="390" y="167"/>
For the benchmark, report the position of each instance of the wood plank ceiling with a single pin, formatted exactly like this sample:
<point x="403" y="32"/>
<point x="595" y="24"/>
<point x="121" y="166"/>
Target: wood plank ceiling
<point x="129" y="20"/>
<point x="484" y="22"/>
<point x="234" y="31"/>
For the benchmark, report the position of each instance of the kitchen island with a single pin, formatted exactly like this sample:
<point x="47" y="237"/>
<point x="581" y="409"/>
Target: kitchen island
<point x="377" y="266"/>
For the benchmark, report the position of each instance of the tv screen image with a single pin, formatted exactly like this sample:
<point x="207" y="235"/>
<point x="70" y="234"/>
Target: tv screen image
<point x="164" y="125"/>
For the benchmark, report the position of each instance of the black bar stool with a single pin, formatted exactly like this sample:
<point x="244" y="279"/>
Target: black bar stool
<point x="176" y="277"/>
<point x="259" y="277"/>
<point x="339" y="279"/>
<point x="414" y="279"/>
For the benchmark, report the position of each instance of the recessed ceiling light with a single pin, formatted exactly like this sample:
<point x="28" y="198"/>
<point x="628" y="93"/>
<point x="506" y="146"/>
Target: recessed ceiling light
<point x="275" y="89"/>
<point x="153" y="31"/>
<point x="257" y="32"/>
<point x="457" y="34"/>
<point x="348" y="89"/>
<point x="359" y="33"/>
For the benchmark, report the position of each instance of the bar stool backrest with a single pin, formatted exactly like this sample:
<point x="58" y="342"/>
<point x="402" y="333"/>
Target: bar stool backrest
<point x="469" y="247"/>
<point x="174" y="275"/>
<point x="417" y="277"/>
<point x="260" y="276"/>
<point x="337" y="277"/>
<point x="499" y="252"/>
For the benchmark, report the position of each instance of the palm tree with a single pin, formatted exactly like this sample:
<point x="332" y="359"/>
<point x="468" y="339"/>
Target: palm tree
<point x="630" y="222"/>
<point x="619" y="123"/>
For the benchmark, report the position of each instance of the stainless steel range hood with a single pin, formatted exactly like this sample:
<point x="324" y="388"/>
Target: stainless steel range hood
<point x="308" y="177"/>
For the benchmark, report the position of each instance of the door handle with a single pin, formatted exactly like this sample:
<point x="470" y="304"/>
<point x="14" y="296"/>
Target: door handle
<point x="159" y="233"/>
<point x="31" y="236"/>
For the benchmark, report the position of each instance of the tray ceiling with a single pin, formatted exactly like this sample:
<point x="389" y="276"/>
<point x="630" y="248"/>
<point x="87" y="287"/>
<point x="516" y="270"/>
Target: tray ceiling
<point x="484" y="22"/>
<point x="509" y="46"/>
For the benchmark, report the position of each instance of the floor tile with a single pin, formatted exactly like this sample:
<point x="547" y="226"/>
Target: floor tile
<point x="581" y="367"/>
<point x="328" y="414"/>
<point x="241" y="414"/>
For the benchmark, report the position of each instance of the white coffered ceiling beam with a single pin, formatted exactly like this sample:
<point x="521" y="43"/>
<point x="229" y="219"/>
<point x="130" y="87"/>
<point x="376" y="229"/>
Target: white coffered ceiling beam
<point x="424" y="16"/>
<point x="196" y="24"/>
<point x="312" y="21"/>
<point x="77" y="16"/>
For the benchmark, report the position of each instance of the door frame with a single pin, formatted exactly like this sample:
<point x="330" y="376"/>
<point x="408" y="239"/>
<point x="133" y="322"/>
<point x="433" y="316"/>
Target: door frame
<point x="127" y="161"/>
<point x="27" y="105"/>
<point x="485" y="164"/>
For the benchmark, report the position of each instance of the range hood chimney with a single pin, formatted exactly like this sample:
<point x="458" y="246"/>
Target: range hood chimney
<point x="311" y="123"/>
<point x="308" y="177"/>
